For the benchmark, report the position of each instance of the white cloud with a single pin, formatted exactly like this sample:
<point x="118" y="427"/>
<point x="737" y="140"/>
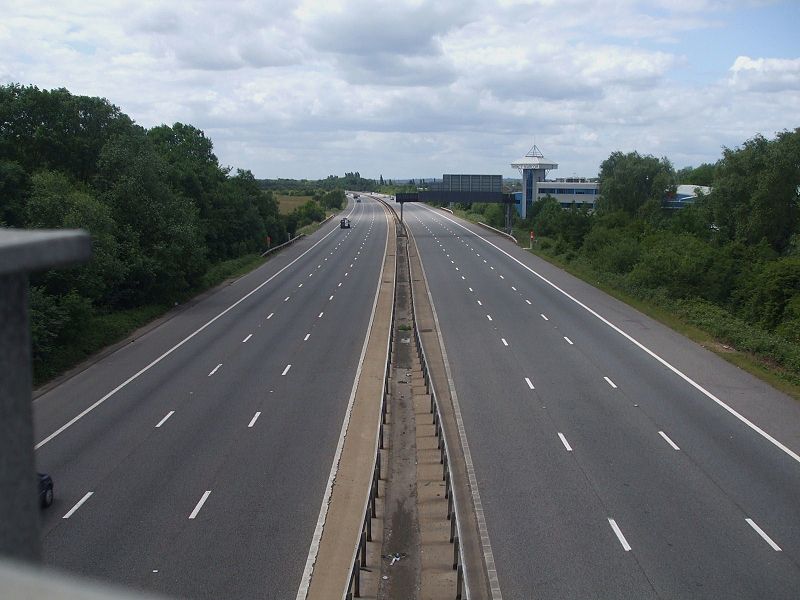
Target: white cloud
<point x="406" y="87"/>
<point x="765" y="74"/>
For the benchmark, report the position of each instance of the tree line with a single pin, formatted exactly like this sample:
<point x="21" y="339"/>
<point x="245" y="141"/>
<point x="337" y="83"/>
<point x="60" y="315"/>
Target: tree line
<point x="730" y="262"/>
<point x="160" y="208"/>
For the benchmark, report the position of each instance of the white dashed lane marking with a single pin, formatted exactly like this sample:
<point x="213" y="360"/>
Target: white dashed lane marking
<point x="215" y="369"/>
<point x="669" y="441"/>
<point x="80" y="502"/>
<point x="200" y="504"/>
<point x="765" y="537"/>
<point x="625" y="545"/>
<point x="164" y="420"/>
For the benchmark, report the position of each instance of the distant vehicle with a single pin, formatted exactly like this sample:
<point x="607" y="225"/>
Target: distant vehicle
<point x="344" y="223"/>
<point x="358" y="199"/>
<point x="45" y="490"/>
<point x="356" y="196"/>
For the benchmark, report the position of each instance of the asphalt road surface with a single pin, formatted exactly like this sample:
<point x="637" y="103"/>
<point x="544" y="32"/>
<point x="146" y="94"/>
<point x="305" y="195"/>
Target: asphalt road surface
<point x="201" y="474"/>
<point x="603" y="472"/>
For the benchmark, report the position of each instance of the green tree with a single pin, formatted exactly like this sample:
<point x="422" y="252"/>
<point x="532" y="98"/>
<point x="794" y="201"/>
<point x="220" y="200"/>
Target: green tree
<point x="53" y="129"/>
<point x="192" y="167"/>
<point x="54" y="203"/>
<point x="772" y="295"/>
<point x="755" y="195"/>
<point x="684" y="267"/>
<point x="13" y="189"/>
<point x="159" y="231"/>
<point x="629" y="181"/>
<point x="701" y="175"/>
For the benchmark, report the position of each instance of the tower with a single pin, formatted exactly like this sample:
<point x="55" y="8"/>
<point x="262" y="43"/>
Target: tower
<point x="534" y="168"/>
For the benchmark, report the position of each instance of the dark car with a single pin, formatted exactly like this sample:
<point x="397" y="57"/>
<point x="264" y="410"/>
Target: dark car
<point x="344" y="223"/>
<point x="45" y="490"/>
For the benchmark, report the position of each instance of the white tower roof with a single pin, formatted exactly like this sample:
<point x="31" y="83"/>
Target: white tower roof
<point x="534" y="159"/>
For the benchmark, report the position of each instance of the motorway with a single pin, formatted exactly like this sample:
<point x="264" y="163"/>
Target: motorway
<point x="604" y="473"/>
<point x="193" y="461"/>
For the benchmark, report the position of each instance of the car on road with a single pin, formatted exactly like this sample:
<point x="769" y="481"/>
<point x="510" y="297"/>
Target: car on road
<point x="344" y="223"/>
<point x="45" y="490"/>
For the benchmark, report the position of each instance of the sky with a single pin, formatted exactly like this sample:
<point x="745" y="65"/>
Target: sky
<point x="419" y="88"/>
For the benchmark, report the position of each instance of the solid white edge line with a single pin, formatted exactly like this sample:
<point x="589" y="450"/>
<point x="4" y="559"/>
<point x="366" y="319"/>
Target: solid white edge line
<point x="565" y="442"/>
<point x="254" y="419"/>
<point x="80" y="502"/>
<point x="669" y="441"/>
<point x="611" y="383"/>
<point x="625" y="545"/>
<point x="488" y="553"/>
<point x="200" y="504"/>
<point x="530" y="383"/>
<point x="644" y="348"/>
<point x="89" y="409"/>
<point x="760" y="532"/>
<point x="313" y="550"/>
<point x="164" y="420"/>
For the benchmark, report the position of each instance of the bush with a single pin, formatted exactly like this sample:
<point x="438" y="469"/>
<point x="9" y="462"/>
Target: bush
<point x="684" y="266"/>
<point x="611" y="250"/>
